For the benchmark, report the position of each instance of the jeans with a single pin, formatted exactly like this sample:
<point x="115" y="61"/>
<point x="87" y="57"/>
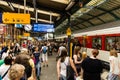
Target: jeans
<point x="38" y="69"/>
<point x="62" y="77"/>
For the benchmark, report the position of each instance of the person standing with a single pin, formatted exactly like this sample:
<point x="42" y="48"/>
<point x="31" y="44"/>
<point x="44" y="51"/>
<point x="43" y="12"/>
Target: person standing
<point x="16" y="72"/>
<point x="77" y="57"/>
<point x="62" y="63"/>
<point x="4" y="68"/>
<point x="45" y="55"/>
<point x="114" y="73"/>
<point x="92" y="67"/>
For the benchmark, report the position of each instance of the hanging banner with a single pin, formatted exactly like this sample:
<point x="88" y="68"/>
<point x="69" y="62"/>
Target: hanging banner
<point x="16" y="18"/>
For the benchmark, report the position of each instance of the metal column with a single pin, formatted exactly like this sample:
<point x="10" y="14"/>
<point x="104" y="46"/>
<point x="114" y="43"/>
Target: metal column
<point x="69" y="36"/>
<point x="35" y="11"/>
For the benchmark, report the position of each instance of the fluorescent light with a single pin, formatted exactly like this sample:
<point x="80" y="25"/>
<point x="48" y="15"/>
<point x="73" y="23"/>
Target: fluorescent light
<point x="29" y="8"/>
<point x="70" y="5"/>
<point x="42" y="20"/>
<point x="61" y="1"/>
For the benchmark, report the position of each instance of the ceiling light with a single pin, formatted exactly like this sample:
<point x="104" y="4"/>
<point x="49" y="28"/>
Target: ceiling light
<point x="61" y="1"/>
<point x="29" y="8"/>
<point x="70" y="5"/>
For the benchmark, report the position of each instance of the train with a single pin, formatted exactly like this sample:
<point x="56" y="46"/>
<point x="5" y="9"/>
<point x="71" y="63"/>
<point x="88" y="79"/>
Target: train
<point x="103" y="37"/>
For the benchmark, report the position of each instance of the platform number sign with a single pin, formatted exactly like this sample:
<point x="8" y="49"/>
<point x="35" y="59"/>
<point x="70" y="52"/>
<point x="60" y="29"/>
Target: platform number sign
<point x="16" y="18"/>
<point x="68" y="32"/>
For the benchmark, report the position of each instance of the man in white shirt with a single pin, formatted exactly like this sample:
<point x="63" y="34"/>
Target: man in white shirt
<point x="5" y="67"/>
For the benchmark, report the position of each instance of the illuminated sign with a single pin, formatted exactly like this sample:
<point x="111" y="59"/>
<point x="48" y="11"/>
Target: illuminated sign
<point x="68" y="32"/>
<point x="16" y="18"/>
<point x="26" y="34"/>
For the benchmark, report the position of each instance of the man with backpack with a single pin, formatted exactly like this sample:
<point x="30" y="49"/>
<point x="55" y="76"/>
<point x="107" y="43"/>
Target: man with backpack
<point x="45" y="55"/>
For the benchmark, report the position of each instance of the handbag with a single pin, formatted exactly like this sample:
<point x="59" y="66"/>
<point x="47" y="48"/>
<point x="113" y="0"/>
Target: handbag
<point x="70" y="71"/>
<point x="112" y="77"/>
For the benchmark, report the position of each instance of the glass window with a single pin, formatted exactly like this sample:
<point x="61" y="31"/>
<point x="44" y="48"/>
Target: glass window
<point x="113" y="43"/>
<point x="96" y="43"/>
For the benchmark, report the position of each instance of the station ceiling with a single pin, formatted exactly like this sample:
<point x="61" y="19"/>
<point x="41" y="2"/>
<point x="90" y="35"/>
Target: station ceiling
<point x="94" y="13"/>
<point x="57" y="9"/>
<point x="84" y="13"/>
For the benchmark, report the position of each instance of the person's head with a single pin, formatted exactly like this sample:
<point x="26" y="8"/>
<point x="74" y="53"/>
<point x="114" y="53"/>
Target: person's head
<point x="84" y="55"/>
<point x="36" y="48"/>
<point x="76" y="50"/>
<point x="95" y="52"/>
<point x="22" y="59"/>
<point x="8" y="60"/>
<point x="16" y="71"/>
<point x="63" y="54"/>
<point x="113" y="53"/>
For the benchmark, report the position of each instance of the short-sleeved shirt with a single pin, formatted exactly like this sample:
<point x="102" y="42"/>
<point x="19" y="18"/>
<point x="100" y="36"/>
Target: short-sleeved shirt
<point x="3" y="69"/>
<point x="63" y="66"/>
<point x="45" y="46"/>
<point x="36" y="55"/>
<point x="1" y="62"/>
<point x="116" y="63"/>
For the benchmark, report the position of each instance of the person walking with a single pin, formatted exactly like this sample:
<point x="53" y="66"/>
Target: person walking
<point x="37" y="62"/>
<point x="45" y="55"/>
<point x="114" y="73"/>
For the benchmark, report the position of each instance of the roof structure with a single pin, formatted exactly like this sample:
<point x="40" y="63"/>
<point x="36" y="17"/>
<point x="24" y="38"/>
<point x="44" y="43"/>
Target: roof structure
<point x="94" y="13"/>
<point x="49" y="11"/>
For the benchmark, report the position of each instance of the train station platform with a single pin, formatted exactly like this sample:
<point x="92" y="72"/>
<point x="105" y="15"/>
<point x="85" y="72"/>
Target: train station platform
<point x="50" y="72"/>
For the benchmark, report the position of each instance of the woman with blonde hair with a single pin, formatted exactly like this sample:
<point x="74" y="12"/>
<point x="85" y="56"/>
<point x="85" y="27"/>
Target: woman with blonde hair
<point x="84" y="55"/>
<point x="114" y="66"/>
<point x="16" y="72"/>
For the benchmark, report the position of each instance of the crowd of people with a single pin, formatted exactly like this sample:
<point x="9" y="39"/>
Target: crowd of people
<point x="87" y="67"/>
<point x="24" y="62"/>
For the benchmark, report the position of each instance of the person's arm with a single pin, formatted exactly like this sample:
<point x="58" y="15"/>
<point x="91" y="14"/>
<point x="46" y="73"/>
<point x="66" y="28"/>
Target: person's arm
<point x="75" y="59"/>
<point x="73" y="66"/>
<point x="58" y="68"/>
<point x="58" y="51"/>
<point x="41" y="49"/>
<point x="119" y="67"/>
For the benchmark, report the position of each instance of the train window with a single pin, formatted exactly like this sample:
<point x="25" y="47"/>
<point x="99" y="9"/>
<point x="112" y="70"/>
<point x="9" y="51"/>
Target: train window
<point x="96" y="43"/>
<point x="113" y="43"/>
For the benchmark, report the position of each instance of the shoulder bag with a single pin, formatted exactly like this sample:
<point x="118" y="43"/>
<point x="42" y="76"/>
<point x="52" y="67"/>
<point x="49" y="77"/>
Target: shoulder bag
<point x="70" y="71"/>
<point x="6" y="72"/>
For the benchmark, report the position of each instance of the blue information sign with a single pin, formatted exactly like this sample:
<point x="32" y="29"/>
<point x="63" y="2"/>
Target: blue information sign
<point x="0" y="17"/>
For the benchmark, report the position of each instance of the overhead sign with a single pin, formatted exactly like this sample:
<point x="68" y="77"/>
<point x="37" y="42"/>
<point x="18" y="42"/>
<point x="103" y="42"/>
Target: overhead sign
<point x="68" y="32"/>
<point x="0" y="17"/>
<point x="16" y="18"/>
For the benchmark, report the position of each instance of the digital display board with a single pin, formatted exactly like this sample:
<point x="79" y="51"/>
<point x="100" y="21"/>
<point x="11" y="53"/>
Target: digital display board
<point x="18" y="25"/>
<point x="43" y="27"/>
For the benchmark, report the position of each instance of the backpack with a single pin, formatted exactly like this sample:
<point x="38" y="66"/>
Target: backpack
<point x="44" y="50"/>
